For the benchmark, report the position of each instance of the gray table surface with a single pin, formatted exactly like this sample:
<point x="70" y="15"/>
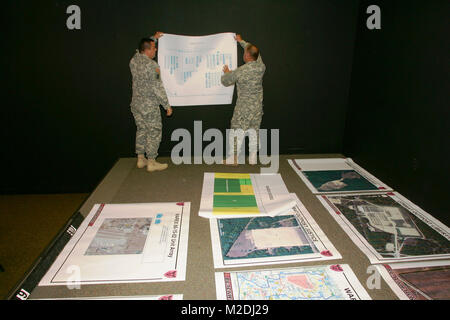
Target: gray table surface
<point x="127" y="184"/>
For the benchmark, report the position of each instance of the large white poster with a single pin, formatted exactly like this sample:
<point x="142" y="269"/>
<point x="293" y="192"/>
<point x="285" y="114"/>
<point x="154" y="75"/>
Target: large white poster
<point x="322" y="282"/>
<point x="389" y="228"/>
<point x="125" y="243"/>
<point x="156" y="297"/>
<point x="336" y="175"/>
<point x="289" y="238"/>
<point x="424" y="280"/>
<point x="239" y="195"/>
<point x="191" y="68"/>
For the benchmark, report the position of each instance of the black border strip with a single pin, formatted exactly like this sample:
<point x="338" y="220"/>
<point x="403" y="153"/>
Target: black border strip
<point x="45" y="260"/>
<point x="12" y="295"/>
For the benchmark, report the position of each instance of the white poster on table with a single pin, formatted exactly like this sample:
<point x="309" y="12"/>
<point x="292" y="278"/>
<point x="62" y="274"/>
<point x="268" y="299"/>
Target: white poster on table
<point x="425" y="280"/>
<point x="154" y="297"/>
<point x="124" y="243"/>
<point x="336" y="175"/>
<point x="191" y="68"/>
<point x="389" y="228"/>
<point x="289" y="238"/>
<point x="238" y="195"/>
<point x="323" y="282"/>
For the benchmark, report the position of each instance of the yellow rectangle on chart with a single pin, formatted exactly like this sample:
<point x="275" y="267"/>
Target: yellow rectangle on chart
<point x="236" y="210"/>
<point x="247" y="189"/>
<point x="232" y="175"/>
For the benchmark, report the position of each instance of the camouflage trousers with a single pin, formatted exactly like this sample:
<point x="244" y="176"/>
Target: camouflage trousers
<point x="249" y="122"/>
<point x="149" y="130"/>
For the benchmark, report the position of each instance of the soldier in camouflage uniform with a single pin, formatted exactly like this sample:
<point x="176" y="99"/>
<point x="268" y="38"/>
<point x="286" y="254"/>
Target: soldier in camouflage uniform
<point x="248" y="111"/>
<point x="148" y="95"/>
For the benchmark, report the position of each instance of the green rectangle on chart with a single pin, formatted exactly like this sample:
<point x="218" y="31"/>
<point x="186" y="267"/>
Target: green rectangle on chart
<point x="220" y="185"/>
<point x="227" y="185"/>
<point x="245" y="182"/>
<point x="232" y="201"/>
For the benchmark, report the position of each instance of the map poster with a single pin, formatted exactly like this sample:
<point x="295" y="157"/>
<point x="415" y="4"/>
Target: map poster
<point x="154" y="297"/>
<point x="326" y="282"/>
<point x="121" y="243"/>
<point x="287" y="238"/>
<point x="414" y="281"/>
<point x="389" y="228"/>
<point x="191" y="68"/>
<point x="231" y="195"/>
<point x="335" y="175"/>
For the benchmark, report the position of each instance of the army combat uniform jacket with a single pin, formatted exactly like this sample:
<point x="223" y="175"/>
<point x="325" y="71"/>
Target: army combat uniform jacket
<point x="248" y="111"/>
<point x="148" y="95"/>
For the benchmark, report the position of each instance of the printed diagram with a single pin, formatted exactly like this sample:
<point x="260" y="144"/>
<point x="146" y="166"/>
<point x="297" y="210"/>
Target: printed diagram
<point x="291" y="237"/>
<point x="320" y="282"/>
<point x="338" y="180"/>
<point x="228" y="195"/>
<point x="120" y="236"/>
<point x="423" y="283"/>
<point x="336" y="175"/>
<point x="183" y="65"/>
<point x="234" y="192"/>
<point x="125" y="243"/>
<point x="258" y="237"/>
<point x="296" y="284"/>
<point x="391" y="229"/>
<point x="191" y="68"/>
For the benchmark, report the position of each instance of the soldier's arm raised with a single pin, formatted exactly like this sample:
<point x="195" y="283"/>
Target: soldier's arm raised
<point x="244" y="45"/>
<point x="156" y="36"/>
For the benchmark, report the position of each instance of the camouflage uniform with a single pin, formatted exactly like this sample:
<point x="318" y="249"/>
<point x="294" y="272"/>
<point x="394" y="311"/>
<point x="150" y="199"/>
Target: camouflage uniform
<point x="148" y="94"/>
<point x="248" y="111"/>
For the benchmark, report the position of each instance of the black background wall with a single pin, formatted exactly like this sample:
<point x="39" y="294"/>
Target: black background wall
<point x="398" y="119"/>
<point x="329" y="80"/>
<point x="65" y="115"/>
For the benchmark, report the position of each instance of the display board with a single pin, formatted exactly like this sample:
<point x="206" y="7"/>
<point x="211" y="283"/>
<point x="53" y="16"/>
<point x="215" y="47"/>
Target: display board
<point x="325" y="282"/>
<point x="336" y="175"/>
<point x="428" y="280"/>
<point x="191" y="68"/>
<point x="228" y="195"/>
<point x="288" y="238"/>
<point x="154" y="297"/>
<point x="388" y="227"/>
<point x="121" y="243"/>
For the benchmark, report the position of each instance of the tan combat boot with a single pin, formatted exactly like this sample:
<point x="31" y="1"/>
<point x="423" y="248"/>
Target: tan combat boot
<point x="142" y="161"/>
<point x="153" y="165"/>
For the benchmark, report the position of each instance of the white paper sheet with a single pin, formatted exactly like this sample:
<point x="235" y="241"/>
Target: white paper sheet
<point x="121" y="243"/>
<point x="191" y="68"/>
<point x="425" y="280"/>
<point x="325" y="282"/>
<point x="336" y="175"/>
<point x="238" y="195"/>
<point x="289" y="238"/>
<point x="388" y="227"/>
<point x="154" y="297"/>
